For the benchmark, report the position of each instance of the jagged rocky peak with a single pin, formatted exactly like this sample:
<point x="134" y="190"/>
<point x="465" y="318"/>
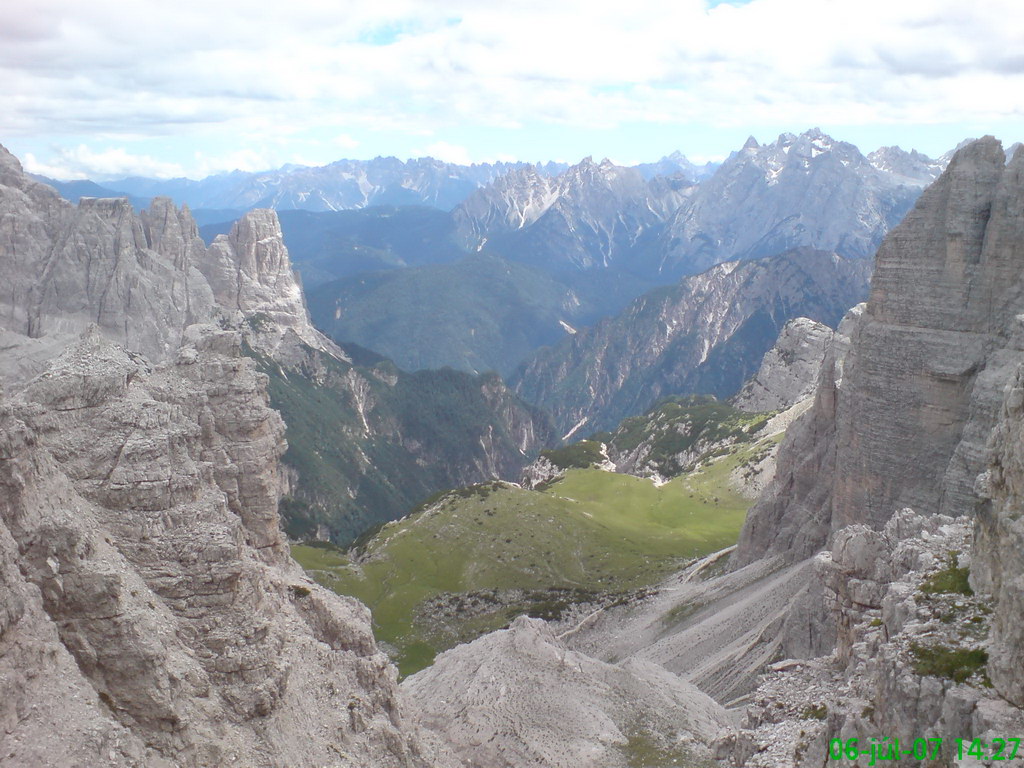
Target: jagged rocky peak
<point x="173" y="233"/>
<point x="12" y="175"/>
<point x="512" y="201"/>
<point x="254" y="263"/>
<point x="250" y="272"/>
<point x="677" y="165"/>
<point x="149" y="611"/>
<point x="586" y="217"/>
<point x="789" y="370"/>
<point x="141" y="279"/>
<point x="793" y="153"/>
<point x="913" y="167"/>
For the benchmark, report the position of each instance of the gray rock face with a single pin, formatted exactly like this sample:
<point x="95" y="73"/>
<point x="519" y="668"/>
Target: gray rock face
<point x="141" y="279"/>
<point x="519" y="697"/>
<point x="998" y="567"/>
<point x="789" y="370"/>
<point x="870" y="596"/>
<point x="68" y="266"/>
<point x="249" y="271"/>
<point x="705" y="335"/>
<point x="795" y="506"/>
<point x="911" y="168"/>
<point x="924" y="378"/>
<point x="677" y="164"/>
<point x="150" y="613"/>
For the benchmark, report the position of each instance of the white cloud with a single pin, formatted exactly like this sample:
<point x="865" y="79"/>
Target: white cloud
<point x="448" y="153"/>
<point x="81" y="162"/>
<point x="344" y="141"/>
<point x="115" y="67"/>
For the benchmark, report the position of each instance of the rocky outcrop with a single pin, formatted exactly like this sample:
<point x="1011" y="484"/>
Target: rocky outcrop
<point x="151" y="614"/>
<point x="909" y="659"/>
<point x="249" y="271"/>
<point x="540" y="472"/>
<point x="923" y="381"/>
<point x="795" y="505"/>
<point x="519" y="697"/>
<point x="705" y="335"/>
<point x="789" y="370"/>
<point x="141" y="279"/>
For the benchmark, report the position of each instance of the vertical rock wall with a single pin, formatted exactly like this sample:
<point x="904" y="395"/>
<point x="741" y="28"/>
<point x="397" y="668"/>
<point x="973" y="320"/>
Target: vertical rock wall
<point x="924" y="377"/>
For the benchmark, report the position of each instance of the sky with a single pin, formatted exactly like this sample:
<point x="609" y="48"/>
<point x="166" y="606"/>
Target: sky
<point x="108" y="88"/>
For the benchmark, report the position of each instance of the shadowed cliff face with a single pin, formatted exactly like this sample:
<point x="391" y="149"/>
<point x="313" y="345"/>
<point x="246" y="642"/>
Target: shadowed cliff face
<point x="924" y="377"/>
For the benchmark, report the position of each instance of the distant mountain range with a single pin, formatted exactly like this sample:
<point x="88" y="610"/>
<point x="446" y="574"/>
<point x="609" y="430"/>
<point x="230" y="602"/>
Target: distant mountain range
<point x="531" y="254"/>
<point x="807" y="190"/>
<point x="592" y="216"/>
<point x="530" y="258"/>
<point x="348" y="184"/>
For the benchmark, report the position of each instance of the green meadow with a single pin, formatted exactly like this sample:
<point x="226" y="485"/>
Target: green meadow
<point x="473" y="560"/>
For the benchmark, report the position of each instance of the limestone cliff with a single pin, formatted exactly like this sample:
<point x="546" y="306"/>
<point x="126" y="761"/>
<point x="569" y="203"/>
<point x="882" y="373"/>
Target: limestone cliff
<point x="249" y="271"/>
<point x="141" y="279"/>
<point x="66" y="267"/>
<point x="150" y="614"/>
<point x="998" y="566"/>
<point x="924" y="378"/>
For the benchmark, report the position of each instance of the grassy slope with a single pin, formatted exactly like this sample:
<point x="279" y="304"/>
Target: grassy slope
<point x="502" y="550"/>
